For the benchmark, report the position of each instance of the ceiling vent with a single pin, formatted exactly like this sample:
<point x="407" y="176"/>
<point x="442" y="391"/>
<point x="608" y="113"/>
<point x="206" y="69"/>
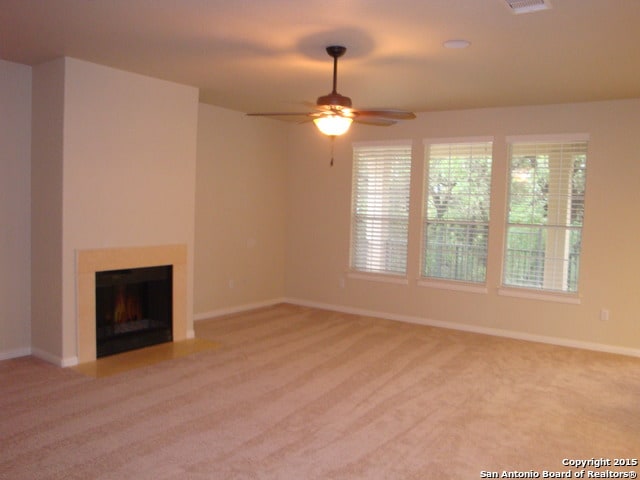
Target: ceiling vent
<point x="528" y="6"/>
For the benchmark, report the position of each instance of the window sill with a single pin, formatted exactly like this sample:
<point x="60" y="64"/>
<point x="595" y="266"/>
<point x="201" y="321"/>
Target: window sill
<point x="379" y="277"/>
<point x="572" y="298"/>
<point x="456" y="286"/>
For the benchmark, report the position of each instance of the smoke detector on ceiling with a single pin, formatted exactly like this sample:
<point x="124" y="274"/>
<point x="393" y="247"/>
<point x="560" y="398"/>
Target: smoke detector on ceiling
<point x="528" y="6"/>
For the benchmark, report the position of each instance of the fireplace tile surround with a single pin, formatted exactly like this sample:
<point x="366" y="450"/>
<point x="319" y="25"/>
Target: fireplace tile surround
<point x="88" y="262"/>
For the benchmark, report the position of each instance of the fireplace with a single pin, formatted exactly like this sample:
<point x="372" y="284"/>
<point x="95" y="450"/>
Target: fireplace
<point x="133" y="308"/>
<point x="90" y="262"/>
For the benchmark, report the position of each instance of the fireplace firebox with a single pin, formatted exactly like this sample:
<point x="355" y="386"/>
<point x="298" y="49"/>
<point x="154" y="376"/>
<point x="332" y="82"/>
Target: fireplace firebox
<point x="133" y="309"/>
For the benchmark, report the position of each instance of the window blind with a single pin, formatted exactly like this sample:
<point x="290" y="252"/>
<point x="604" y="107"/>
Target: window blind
<point x="380" y="207"/>
<point x="456" y="212"/>
<point x="546" y="210"/>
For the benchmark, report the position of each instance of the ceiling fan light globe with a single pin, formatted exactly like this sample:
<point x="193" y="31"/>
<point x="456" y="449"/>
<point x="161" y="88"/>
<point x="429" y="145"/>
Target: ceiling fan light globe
<point x="333" y="125"/>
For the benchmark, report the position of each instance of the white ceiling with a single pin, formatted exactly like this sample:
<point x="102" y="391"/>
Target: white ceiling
<point x="268" y="55"/>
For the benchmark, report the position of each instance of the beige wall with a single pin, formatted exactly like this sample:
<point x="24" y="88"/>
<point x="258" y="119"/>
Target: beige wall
<point x="15" y="242"/>
<point x="240" y="211"/>
<point x="46" y="209"/>
<point x="272" y="217"/>
<point x="318" y="224"/>
<point x="128" y="177"/>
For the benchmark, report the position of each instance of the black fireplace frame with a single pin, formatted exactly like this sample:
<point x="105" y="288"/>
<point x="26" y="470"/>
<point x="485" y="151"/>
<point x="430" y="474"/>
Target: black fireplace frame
<point x="154" y="285"/>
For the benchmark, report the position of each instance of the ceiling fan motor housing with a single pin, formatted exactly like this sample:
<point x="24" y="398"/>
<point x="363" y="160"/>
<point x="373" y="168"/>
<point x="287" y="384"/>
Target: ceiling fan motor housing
<point x="334" y="99"/>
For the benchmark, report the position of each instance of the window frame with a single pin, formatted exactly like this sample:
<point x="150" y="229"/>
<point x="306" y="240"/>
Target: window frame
<point x="465" y="285"/>
<point x="354" y="271"/>
<point x="524" y="291"/>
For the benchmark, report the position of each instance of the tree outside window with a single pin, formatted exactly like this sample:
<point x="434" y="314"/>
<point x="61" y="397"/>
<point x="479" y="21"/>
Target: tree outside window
<point x="456" y="221"/>
<point x="546" y="211"/>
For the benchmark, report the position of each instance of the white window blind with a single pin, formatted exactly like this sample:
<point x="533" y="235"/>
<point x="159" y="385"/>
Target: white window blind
<point x="546" y="210"/>
<point x="380" y="207"/>
<point x="456" y="212"/>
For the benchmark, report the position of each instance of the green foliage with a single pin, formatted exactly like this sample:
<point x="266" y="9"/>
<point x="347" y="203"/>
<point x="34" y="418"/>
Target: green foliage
<point x="459" y="189"/>
<point x="456" y="228"/>
<point x="546" y="198"/>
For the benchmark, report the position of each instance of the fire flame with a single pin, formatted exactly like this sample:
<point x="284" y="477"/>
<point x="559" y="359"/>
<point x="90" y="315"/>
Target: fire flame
<point x="127" y="306"/>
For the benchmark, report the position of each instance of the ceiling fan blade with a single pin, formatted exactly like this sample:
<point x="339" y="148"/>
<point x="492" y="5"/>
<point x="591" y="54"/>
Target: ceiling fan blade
<point x="279" y="114"/>
<point x="377" y="121"/>
<point x="387" y="113"/>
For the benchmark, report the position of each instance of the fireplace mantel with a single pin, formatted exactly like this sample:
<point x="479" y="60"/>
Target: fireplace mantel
<point x="88" y="262"/>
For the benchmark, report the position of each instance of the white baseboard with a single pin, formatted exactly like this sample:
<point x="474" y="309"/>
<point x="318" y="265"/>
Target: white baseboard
<point x="69" y="362"/>
<point x="530" y="337"/>
<point x="598" y="347"/>
<point x="237" y="309"/>
<point x="15" y="353"/>
<point x="56" y="360"/>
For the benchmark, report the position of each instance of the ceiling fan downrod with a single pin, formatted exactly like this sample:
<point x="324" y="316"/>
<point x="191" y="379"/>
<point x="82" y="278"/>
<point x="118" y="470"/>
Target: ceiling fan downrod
<point x="334" y="99"/>
<point x="335" y="51"/>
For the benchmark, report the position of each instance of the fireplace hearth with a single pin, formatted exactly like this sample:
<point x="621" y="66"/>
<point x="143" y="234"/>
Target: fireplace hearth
<point x="133" y="308"/>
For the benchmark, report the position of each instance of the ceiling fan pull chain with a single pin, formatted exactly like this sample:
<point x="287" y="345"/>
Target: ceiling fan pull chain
<point x="333" y="139"/>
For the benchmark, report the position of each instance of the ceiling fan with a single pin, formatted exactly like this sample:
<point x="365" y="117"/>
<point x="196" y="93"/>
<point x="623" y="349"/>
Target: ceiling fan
<point x="334" y="113"/>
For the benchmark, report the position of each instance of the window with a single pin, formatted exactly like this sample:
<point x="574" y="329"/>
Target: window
<point x="546" y="209"/>
<point x="456" y="210"/>
<point x="380" y="207"/>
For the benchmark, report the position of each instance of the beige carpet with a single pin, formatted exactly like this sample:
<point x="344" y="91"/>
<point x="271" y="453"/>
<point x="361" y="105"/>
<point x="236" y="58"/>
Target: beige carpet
<point x="298" y="393"/>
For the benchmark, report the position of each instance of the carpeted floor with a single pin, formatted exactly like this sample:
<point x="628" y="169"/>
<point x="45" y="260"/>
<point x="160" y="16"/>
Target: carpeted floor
<point x="299" y="393"/>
